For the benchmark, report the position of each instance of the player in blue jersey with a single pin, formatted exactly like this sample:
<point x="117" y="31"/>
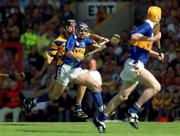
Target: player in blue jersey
<point x="71" y="69"/>
<point x="76" y="43"/>
<point x="134" y="72"/>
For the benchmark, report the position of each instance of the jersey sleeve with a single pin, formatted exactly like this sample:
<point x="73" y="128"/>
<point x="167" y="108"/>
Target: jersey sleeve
<point x="58" y="43"/>
<point x="53" y="49"/>
<point x="89" y="41"/>
<point x="143" y="29"/>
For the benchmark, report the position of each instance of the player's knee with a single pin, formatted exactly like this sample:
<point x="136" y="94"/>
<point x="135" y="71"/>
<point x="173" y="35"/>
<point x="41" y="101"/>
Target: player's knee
<point x="157" y="87"/>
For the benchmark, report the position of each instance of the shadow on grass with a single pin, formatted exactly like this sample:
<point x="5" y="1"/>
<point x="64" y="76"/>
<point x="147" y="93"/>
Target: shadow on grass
<point x="55" y="131"/>
<point x="16" y="124"/>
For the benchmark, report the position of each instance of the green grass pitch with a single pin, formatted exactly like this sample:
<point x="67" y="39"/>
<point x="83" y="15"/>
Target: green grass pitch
<point x="88" y="129"/>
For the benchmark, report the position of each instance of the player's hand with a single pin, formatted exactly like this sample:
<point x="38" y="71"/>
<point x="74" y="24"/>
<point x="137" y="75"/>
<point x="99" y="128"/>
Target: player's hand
<point x="161" y="57"/>
<point x="79" y="58"/>
<point x="96" y="45"/>
<point x="105" y="39"/>
<point x="157" y="37"/>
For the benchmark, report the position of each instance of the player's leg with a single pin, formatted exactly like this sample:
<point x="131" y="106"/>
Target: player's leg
<point x="45" y="90"/>
<point x="38" y="96"/>
<point x="58" y="88"/>
<point x="125" y="91"/>
<point x="56" y="92"/>
<point x="59" y="85"/>
<point x="85" y="79"/>
<point x="152" y="88"/>
<point x="78" y="107"/>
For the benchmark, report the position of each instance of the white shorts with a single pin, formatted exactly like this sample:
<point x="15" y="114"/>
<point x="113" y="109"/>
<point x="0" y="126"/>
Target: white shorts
<point x="65" y="73"/>
<point x="129" y="72"/>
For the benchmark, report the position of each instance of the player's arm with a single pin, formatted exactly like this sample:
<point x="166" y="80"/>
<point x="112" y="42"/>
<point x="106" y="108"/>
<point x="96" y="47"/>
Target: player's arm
<point x="71" y="54"/>
<point x="91" y="41"/>
<point x="45" y="66"/>
<point x="95" y="44"/>
<point x="50" y="55"/>
<point x="69" y="50"/>
<point x="139" y="34"/>
<point x="98" y="37"/>
<point x="156" y="55"/>
<point x="140" y="37"/>
<point x="52" y="51"/>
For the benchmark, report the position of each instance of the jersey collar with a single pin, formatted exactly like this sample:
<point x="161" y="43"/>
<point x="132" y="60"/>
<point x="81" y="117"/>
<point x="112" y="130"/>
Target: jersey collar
<point x="150" y="23"/>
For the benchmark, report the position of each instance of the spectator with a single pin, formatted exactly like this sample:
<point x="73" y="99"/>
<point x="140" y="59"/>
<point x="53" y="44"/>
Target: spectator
<point x="12" y="104"/>
<point x="28" y="39"/>
<point x="47" y="10"/>
<point x="13" y="30"/>
<point x="170" y="77"/>
<point x="173" y="27"/>
<point x="171" y="52"/>
<point x="157" y="103"/>
<point x="67" y="13"/>
<point x="35" y="59"/>
<point x="176" y="60"/>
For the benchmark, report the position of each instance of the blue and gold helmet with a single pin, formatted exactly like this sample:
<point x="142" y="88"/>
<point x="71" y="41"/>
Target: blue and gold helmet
<point x="82" y="26"/>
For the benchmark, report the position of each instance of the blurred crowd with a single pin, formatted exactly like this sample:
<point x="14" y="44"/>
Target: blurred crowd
<point x="36" y="23"/>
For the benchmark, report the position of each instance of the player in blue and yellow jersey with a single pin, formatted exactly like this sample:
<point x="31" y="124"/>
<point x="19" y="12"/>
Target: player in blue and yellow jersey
<point x="141" y="41"/>
<point x="55" y="52"/>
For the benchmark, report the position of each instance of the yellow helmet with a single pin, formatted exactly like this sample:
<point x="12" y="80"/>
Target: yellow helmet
<point x="154" y="13"/>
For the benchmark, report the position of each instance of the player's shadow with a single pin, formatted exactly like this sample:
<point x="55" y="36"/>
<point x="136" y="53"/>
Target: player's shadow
<point x="45" y="131"/>
<point x="14" y="124"/>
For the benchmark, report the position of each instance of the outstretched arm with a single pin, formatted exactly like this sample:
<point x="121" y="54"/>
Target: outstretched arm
<point x="98" y="37"/>
<point x="140" y="37"/>
<point x="156" y="55"/>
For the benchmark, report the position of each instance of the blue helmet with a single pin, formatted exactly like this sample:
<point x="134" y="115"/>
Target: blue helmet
<point x="82" y="26"/>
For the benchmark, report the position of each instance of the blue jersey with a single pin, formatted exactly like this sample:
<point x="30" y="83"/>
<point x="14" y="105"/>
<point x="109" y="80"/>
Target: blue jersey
<point x="139" y="50"/>
<point x="78" y="47"/>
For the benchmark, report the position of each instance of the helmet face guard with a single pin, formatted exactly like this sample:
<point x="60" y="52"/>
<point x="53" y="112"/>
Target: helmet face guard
<point x="81" y="30"/>
<point x="82" y="27"/>
<point x="154" y="13"/>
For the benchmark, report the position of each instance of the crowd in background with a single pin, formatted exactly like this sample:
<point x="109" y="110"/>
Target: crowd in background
<point x="36" y="23"/>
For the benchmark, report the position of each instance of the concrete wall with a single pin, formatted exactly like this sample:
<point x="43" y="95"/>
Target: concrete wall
<point x="121" y="17"/>
<point x="116" y="23"/>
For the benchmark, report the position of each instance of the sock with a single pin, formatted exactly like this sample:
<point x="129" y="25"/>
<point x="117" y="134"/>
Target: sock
<point x="98" y="98"/>
<point x="102" y="117"/>
<point x="134" y="109"/>
<point x="77" y="107"/>
<point x="42" y="98"/>
<point x="101" y="108"/>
